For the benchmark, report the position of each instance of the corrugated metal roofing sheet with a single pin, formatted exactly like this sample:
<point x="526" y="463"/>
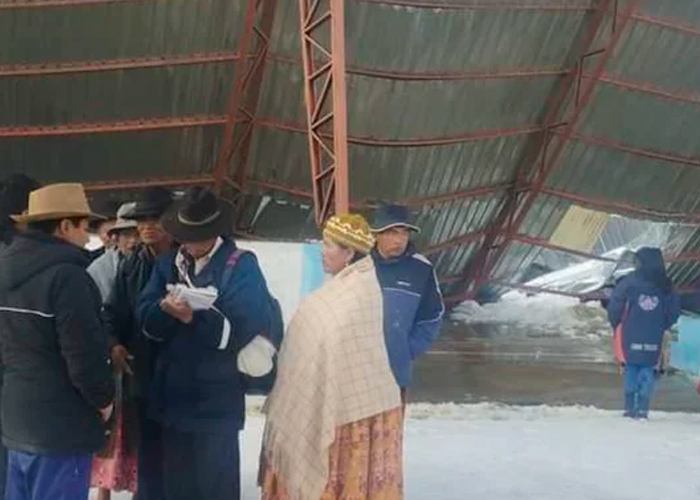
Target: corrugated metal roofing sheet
<point x="415" y="72"/>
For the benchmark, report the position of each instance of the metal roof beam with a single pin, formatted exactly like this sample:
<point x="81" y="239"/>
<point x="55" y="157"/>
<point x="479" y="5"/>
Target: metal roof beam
<point x="622" y="208"/>
<point x="560" y="6"/>
<point x="684" y="96"/>
<point x="471" y="136"/>
<point x="579" y="92"/>
<point x="644" y="152"/>
<point x="672" y="24"/>
<point x="144" y="183"/>
<point x="73" y="67"/>
<point x="137" y="125"/>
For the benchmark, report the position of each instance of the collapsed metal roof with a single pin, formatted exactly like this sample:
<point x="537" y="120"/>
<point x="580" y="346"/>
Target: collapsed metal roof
<point x="490" y="118"/>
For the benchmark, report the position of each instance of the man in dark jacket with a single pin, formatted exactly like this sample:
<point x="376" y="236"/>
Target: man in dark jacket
<point x="644" y="305"/>
<point x="130" y="352"/>
<point x="413" y="306"/>
<point x="58" y="386"/>
<point x="14" y="195"/>
<point x="204" y="347"/>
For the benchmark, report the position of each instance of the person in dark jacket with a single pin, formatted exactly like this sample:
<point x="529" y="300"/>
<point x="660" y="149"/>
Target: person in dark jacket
<point x="14" y="195"/>
<point x="643" y="305"/>
<point x="413" y="306"/>
<point x="198" y="393"/>
<point x="58" y="386"/>
<point x="130" y="352"/>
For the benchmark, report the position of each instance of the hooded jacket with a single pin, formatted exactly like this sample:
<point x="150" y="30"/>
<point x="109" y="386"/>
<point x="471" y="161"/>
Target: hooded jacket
<point x="54" y="350"/>
<point x="644" y="305"/>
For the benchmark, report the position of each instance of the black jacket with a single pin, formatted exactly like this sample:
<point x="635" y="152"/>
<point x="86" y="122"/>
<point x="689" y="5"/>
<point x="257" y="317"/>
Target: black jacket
<point x="119" y="315"/>
<point x="54" y="350"/>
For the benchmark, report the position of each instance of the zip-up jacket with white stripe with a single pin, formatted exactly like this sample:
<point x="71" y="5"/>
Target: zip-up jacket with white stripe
<point x="54" y="350"/>
<point x="413" y="309"/>
<point x="196" y="384"/>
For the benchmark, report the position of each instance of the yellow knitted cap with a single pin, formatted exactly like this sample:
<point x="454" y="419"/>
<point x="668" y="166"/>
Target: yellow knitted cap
<point x="351" y="231"/>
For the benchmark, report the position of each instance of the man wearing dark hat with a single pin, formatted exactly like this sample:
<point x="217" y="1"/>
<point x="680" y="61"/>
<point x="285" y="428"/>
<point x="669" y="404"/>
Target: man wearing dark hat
<point x="131" y="353"/>
<point x="124" y="236"/>
<point x="413" y="306"/>
<point x="204" y="347"/>
<point x="58" y="386"/>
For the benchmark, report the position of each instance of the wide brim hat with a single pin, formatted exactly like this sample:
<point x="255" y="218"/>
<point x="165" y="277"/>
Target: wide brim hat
<point x="55" y="202"/>
<point x="389" y="216"/>
<point x="151" y="203"/>
<point x="199" y="216"/>
<point x="125" y="219"/>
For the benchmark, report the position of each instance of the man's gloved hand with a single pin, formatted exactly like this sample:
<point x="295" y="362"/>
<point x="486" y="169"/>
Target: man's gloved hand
<point x="256" y="359"/>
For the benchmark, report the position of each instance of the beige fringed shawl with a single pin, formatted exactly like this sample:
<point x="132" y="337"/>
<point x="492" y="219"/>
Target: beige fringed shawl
<point x="333" y="370"/>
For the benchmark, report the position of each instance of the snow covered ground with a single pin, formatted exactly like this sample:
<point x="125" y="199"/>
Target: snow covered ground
<point x="492" y="452"/>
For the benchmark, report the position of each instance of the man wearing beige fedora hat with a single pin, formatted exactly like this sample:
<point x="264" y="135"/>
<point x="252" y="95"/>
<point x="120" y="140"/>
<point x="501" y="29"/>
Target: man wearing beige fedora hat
<point x="58" y="386"/>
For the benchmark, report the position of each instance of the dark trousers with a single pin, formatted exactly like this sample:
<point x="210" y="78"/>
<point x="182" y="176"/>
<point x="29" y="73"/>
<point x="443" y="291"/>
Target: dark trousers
<point x="48" y="477"/>
<point x="150" y="458"/>
<point x="202" y="465"/>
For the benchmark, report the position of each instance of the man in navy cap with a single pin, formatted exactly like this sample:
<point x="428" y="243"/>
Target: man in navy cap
<point x="413" y="306"/>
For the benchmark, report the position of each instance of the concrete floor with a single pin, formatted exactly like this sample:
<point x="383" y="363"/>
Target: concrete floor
<point x="485" y="363"/>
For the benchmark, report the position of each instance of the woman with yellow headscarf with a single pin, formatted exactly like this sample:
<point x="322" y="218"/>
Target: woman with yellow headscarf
<point x="334" y="418"/>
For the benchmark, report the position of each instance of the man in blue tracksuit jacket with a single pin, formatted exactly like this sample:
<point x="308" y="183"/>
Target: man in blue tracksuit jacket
<point x="413" y="306"/>
<point x="644" y="305"/>
<point x="197" y="389"/>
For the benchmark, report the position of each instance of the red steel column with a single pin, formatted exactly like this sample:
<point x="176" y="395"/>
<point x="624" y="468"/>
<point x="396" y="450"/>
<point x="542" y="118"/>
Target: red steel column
<point x="579" y="94"/>
<point x="326" y="105"/>
<point x="227" y="146"/>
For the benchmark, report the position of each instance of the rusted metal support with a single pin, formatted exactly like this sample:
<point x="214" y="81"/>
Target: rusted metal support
<point x="139" y="125"/>
<point x="471" y="136"/>
<point x="643" y="152"/>
<point x="259" y="20"/>
<point x="77" y="67"/>
<point x="439" y="76"/>
<point x="623" y="208"/>
<point x="252" y="84"/>
<point x="518" y="203"/>
<point x="40" y="4"/>
<point x="144" y="183"/>
<point x="227" y="147"/>
<point x="455" y="195"/>
<point x="672" y="24"/>
<point x="678" y="95"/>
<point x="454" y="242"/>
<point x="326" y="104"/>
<point x="539" y="242"/>
<point x="579" y="6"/>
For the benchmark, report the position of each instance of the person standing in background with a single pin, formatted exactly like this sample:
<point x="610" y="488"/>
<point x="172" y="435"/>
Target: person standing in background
<point x="58" y="386"/>
<point x="114" y="469"/>
<point x="131" y="354"/>
<point x="642" y="308"/>
<point x="14" y="197"/>
<point x="107" y="211"/>
<point x="125" y="237"/>
<point x="345" y="439"/>
<point x="413" y="306"/>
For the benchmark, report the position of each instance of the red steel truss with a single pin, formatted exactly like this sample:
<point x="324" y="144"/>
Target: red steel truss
<point x="259" y="20"/>
<point x="323" y="24"/>
<point x="573" y="97"/>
